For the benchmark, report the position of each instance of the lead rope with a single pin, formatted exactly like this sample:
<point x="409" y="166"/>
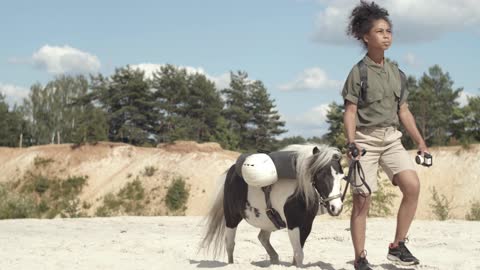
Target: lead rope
<point x="354" y="168"/>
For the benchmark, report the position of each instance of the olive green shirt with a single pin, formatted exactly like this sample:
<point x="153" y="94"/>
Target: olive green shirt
<point x="383" y="92"/>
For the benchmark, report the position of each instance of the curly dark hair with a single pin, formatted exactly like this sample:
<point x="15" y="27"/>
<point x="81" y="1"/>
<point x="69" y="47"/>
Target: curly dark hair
<point x="362" y="18"/>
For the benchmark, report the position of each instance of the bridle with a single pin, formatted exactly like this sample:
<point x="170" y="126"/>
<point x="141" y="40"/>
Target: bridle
<point x="324" y="201"/>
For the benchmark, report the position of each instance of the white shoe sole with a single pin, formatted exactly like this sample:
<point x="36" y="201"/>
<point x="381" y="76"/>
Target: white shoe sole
<point x="396" y="259"/>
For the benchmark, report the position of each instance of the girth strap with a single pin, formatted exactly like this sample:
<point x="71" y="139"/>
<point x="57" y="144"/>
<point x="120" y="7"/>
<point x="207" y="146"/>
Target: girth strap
<point x="272" y="214"/>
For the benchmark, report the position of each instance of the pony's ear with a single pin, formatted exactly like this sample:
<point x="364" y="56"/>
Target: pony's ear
<point x="316" y="150"/>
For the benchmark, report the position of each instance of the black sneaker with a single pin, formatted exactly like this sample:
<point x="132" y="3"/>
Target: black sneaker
<point x="362" y="264"/>
<point x="401" y="254"/>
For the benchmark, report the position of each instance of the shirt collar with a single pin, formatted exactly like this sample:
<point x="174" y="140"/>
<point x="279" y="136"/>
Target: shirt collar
<point x="370" y="63"/>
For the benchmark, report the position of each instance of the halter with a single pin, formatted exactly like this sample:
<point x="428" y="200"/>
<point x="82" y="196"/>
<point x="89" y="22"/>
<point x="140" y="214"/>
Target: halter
<point x="324" y="202"/>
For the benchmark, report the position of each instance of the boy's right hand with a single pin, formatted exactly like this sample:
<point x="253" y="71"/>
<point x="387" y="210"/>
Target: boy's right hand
<point x="354" y="152"/>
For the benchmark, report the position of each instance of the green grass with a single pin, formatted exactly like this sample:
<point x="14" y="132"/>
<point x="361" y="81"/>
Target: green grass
<point x="382" y="200"/>
<point x="177" y="195"/>
<point x="441" y="206"/>
<point x="128" y="201"/>
<point x="42" y="162"/>
<point x="15" y="205"/>
<point x="52" y="196"/>
<point x="474" y="213"/>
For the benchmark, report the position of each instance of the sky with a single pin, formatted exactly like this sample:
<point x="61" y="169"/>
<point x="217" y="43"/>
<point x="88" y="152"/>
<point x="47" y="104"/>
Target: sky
<point x="297" y="48"/>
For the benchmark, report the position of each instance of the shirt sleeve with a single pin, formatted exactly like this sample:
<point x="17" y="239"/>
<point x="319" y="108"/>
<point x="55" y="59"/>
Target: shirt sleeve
<point x="351" y="89"/>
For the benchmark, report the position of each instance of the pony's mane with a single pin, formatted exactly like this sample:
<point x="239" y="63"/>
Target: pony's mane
<point x="308" y="164"/>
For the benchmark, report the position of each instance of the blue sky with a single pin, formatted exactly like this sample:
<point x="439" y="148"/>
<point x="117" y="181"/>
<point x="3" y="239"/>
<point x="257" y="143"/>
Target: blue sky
<point x="298" y="48"/>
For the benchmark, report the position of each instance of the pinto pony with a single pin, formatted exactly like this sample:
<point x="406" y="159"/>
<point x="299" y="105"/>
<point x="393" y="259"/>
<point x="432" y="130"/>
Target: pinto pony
<point x="318" y="176"/>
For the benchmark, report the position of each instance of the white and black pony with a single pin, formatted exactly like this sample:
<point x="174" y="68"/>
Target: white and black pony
<point x="318" y="176"/>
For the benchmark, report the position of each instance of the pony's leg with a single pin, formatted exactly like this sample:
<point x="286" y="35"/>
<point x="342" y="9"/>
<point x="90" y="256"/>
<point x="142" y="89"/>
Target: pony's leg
<point x="264" y="237"/>
<point x="235" y="193"/>
<point x="231" y="221"/>
<point x="230" y="242"/>
<point x="294" y="235"/>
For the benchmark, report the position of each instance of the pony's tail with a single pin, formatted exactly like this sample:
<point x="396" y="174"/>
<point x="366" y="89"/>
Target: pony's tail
<point x="215" y="224"/>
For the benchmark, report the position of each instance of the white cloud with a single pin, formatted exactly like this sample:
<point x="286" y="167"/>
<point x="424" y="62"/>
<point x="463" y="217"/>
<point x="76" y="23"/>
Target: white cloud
<point x="311" y="79"/>
<point x="150" y="68"/>
<point x="308" y="124"/>
<point x="413" y="20"/>
<point x="222" y="81"/>
<point x="65" y="60"/>
<point x="463" y="98"/>
<point x="14" y="93"/>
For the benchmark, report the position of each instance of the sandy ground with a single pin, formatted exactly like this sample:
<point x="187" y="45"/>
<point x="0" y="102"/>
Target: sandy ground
<point x="171" y="243"/>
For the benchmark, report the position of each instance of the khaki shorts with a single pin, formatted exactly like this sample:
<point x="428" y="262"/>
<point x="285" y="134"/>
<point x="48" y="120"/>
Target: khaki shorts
<point x="383" y="147"/>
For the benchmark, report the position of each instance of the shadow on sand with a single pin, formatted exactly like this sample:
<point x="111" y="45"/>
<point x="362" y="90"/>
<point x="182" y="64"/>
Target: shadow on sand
<point x="322" y="265"/>
<point x="390" y="266"/>
<point x="208" y="264"/>
<point x="266" y="264"/>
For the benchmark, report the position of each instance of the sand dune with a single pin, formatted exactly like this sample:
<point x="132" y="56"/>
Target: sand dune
<point x="109" y="166"/>
<point x="171" y="243"/>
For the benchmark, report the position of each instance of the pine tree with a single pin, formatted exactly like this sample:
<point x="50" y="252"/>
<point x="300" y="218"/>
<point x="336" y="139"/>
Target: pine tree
<point x="191" y="105"/>
<point x="92" y="126"/>
<point x="265" y="123"/>
<point x="170" y="90"/>
<point x="336" y="131"/>
<point x="129" y="104"/>
<point x="236" y="111"/>
<point x="13" y="126"/>
<point x="4" y="122"/>
<point x="472" y="119"/>
<point x="412" y="100"/>
<point x="203" y="104"/>
<point x="433" y="104"/>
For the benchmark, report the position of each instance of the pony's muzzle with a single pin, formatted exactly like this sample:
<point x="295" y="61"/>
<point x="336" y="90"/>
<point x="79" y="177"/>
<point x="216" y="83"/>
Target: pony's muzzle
<point x="334" y="208"/>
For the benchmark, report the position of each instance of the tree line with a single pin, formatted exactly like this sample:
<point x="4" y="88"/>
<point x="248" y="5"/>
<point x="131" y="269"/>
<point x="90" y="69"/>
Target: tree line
<point x="131" y="108"/>
<point x="434" y="103"/>
<point x="175" y="105"/>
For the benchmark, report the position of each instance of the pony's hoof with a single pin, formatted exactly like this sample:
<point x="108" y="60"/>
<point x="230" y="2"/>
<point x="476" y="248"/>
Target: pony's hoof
<point x="297" y="264"/>
<point x="274" y="260"/>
